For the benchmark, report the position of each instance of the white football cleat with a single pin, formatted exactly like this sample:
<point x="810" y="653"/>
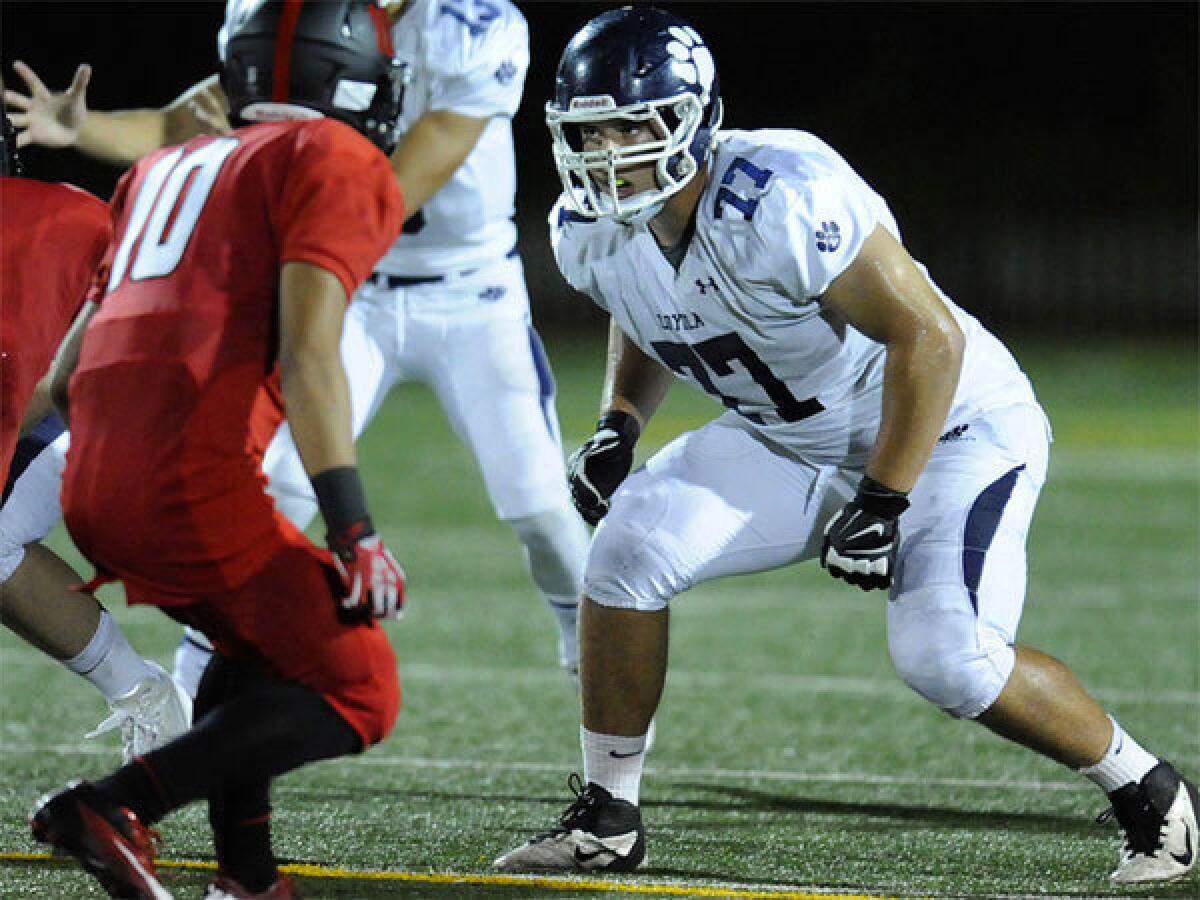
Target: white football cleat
<point x="154" y="712"/>
<point x="597" y="832"/>
<point x="1158" y="817"/>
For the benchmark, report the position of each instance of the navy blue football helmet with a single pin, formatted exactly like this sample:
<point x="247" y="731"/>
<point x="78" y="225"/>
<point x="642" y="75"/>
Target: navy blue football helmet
<point x="306" y="60"/>
<point x="644" y="65"/>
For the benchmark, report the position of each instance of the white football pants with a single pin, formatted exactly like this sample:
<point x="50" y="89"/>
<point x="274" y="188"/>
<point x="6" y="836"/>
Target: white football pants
<point x="718" y="501"/>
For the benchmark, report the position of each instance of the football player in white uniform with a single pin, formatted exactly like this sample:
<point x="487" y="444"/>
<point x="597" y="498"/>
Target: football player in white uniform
<point x="872" y="425"/>
<point x="447" y="304"/>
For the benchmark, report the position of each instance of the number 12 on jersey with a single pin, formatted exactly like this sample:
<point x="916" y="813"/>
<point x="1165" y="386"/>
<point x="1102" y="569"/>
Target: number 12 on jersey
<point x="177" y="184"/>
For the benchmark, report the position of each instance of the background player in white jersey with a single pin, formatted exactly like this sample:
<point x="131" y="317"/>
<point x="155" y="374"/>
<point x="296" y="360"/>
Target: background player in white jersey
<point x="447" y="304"/>
<point x="872" y="425"/>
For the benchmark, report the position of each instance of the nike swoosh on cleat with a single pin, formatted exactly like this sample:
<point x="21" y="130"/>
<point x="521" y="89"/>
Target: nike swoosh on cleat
<point x="1184" y="859"/>
<point x="583" y="856"/>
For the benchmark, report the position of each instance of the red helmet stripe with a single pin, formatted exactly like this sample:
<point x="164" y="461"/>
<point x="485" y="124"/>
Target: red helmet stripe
<point x="383" y="30"/>
<point x="281" y="77"/>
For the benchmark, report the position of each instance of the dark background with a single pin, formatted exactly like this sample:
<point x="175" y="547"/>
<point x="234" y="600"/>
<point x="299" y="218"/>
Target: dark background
<point x="1041" y="158"/>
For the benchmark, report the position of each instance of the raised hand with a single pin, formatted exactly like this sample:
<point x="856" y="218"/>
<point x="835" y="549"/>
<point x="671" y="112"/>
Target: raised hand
<point x="46" y="118"/>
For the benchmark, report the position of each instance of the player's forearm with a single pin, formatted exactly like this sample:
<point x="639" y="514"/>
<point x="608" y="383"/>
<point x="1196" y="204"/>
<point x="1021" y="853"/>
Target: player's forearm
<point x="40" y="405"/>
<point x="67" y="358"/>
<point x="634" y="382"/>
<point x="919" y="380"/>
<point x="430" y="152"/>
<point x="123" y="136"/>
<point x="317" y="399"/>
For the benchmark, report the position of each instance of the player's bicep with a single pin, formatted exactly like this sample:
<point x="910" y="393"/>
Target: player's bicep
<point x="885" y="295"/>
<point x="312" y="305"/>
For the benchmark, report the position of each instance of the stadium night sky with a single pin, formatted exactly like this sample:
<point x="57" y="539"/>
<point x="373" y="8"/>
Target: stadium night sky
<point x="1032" y="124"/>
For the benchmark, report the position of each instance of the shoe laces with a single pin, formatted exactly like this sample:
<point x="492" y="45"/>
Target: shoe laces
<point x="138" y="716"/>
<point x="1144" y="827"/>
<point x="587" y="799"/>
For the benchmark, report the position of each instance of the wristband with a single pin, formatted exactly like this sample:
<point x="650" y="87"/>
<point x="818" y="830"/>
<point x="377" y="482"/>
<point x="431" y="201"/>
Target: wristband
<point x="625" y="425"/>
<point x="879" y="499"/>
<point x="342" y="503"/>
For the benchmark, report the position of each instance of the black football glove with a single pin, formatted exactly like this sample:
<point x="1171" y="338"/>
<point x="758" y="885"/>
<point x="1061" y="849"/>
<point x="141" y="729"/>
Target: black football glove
<point x="860" y="541"/>
<point x="597" y="468"/>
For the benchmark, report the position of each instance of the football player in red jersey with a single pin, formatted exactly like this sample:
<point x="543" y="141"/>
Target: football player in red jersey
<point x="52" y="237"/>
<point x="227" y="283"/>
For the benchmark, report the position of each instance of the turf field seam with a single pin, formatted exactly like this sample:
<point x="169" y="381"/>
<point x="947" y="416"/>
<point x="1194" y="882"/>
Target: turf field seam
<point x="544" y="882"/>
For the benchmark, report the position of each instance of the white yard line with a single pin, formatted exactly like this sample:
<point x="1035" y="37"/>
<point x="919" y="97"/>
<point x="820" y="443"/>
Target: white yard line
<point x="380" y="760"/>
<point x="692" y="679"/>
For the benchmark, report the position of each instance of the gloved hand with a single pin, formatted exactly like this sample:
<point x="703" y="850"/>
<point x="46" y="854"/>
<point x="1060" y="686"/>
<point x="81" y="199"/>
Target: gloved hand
<point x="373" y="582"/>
<point x="860" y="541"/>
<point x="596" y="469"/>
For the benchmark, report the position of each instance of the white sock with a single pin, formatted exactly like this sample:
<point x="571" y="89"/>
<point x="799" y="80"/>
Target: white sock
<point x="191" y="659"/>
<point x="109" y="662"/>
<point x="556" y="544"/>
<point x="613" y="762"/>
<point x="566" y="613"/>
<point x="1124" y="762"/>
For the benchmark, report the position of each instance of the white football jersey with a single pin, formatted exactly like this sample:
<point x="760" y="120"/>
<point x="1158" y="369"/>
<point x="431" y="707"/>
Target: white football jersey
<point x="469" y="57"/>
<point x="781" y="217"/>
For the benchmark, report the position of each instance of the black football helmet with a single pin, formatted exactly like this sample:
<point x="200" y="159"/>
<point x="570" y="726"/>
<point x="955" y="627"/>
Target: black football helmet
<point x="295" y="59"/>
<point x="642" y="64"/>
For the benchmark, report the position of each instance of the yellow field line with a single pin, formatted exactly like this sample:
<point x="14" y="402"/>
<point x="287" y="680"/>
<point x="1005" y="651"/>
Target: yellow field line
<point x="581" y="884"/>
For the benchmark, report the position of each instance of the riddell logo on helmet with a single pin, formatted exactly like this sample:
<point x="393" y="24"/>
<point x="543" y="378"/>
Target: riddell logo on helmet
<point x="605" y="102"/>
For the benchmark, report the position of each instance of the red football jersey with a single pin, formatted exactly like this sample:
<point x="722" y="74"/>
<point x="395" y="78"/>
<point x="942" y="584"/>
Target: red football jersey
<point x="52" y="237"/>
<point x="163" y="486"/>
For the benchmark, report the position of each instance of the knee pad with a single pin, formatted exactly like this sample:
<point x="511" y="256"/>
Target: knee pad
<point x="556" y="543"/>
<point x="944" y="653"/>
<point x="625" y="570"/>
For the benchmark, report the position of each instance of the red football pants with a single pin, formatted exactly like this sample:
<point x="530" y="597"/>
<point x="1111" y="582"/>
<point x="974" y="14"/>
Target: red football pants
<point x="284" y="618"/>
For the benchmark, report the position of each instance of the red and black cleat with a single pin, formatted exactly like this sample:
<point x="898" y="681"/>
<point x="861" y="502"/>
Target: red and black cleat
<point x="109" y="841"/>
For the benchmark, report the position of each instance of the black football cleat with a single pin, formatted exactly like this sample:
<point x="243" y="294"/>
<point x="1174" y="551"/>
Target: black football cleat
<point x="596" y="832"/>
<point x="1158" y="818"/>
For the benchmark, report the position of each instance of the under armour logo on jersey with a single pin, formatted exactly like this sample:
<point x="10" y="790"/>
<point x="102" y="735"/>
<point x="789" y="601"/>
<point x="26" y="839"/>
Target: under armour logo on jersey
<point x="829" y="237"/>
<point x="506" y="73"/>
<point x="705" y="286"/>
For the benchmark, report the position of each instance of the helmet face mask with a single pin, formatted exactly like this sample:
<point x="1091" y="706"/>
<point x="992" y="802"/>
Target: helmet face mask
<point x="332" y="59"/>
<point x="590" y="177"/>
<point x="634" y="65"/>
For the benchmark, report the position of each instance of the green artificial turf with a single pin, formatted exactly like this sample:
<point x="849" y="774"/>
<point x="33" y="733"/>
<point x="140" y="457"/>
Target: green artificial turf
<point x="789" y="756"/>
